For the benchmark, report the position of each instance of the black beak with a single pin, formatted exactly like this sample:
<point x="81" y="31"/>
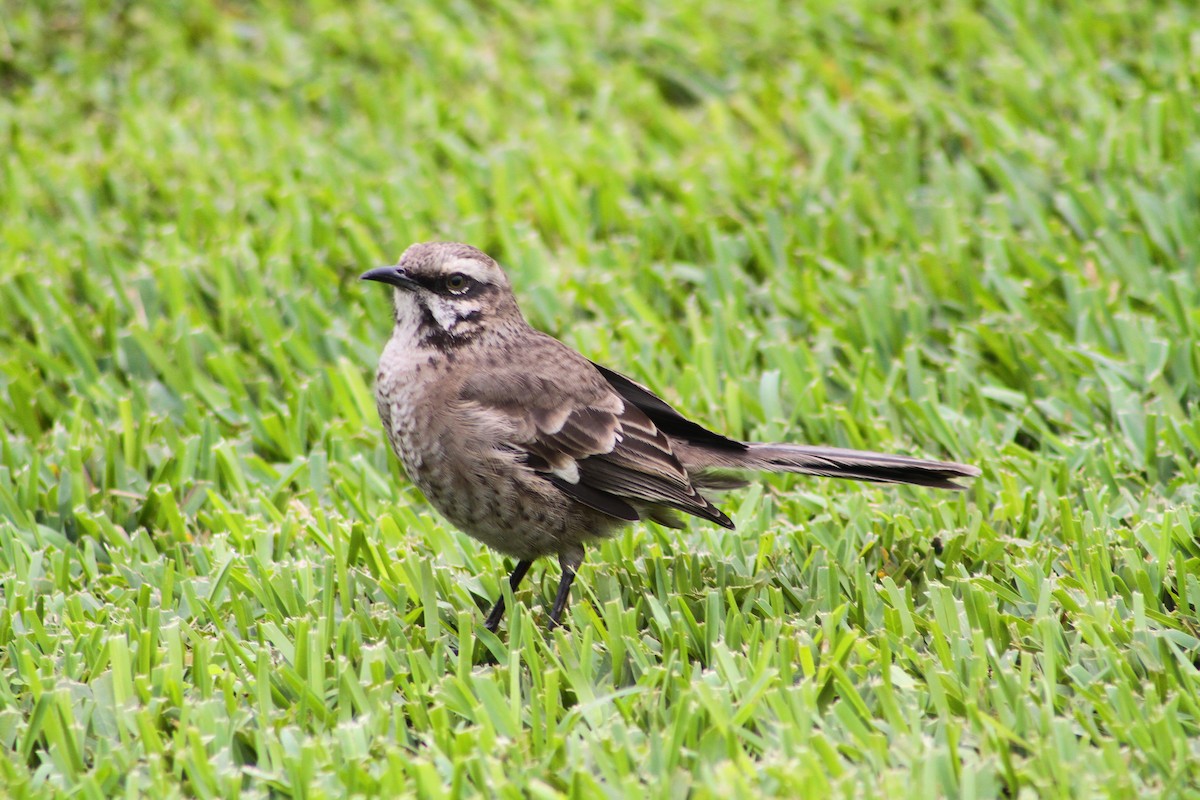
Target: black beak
<point x="393" y="276"/>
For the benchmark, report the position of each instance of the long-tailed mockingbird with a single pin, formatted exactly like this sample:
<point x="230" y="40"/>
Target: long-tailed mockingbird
<point x="534" y="450"/>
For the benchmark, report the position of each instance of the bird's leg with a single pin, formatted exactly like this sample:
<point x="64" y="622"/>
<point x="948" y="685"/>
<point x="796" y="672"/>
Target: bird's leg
<point x="514" y="580"/>
<point x="569" y="560"/>
<point x="560" y="600"/>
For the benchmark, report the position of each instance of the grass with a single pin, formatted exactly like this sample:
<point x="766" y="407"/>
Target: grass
<point x="968" y="230"/>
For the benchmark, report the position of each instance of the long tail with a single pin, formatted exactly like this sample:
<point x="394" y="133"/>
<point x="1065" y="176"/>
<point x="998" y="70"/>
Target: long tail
<point x="858" y="465"/>
<point x="707" y="455"/>
<point x="833" y="462"/>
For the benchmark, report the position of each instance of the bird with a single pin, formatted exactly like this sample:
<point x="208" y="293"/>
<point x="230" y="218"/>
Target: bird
<point x="534" y="450"/>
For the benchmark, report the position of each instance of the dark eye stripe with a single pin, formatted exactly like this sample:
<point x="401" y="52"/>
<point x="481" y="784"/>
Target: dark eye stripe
<point x="437" y="285"/>
<point x="469" y="288"/>
<point x="426" y="282"/>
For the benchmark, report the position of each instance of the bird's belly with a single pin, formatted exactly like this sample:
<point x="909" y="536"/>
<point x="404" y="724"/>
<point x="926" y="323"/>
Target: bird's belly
<point x="506" y="507"/>
<point x="517" y="514"/>
<point x="488" y="496"/>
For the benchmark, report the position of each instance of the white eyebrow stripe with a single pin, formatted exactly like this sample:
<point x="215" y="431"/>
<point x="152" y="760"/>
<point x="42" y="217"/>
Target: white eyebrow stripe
<point x="472" y="268"/>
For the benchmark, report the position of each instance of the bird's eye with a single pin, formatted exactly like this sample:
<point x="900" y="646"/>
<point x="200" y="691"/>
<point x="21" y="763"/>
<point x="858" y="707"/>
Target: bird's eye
<point x="456" y="283"/>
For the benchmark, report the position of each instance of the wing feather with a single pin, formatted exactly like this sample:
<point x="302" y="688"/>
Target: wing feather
<point x="622" y="460"/>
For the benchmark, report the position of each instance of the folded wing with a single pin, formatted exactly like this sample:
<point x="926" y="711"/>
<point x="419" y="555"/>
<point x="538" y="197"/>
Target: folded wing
<point x="590" y="443"/>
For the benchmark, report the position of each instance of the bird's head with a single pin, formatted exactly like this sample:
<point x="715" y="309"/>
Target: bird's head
<point x="448" y="292"/>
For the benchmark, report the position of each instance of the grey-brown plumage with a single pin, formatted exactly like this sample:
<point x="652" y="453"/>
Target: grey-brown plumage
<point x="532" y="449"/>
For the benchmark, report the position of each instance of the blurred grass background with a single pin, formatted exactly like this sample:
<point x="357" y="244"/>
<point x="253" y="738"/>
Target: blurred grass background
<point x="965" y="230"/>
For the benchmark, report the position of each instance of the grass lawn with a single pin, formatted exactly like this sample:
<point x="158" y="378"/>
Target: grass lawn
<point x="968" y="231"/>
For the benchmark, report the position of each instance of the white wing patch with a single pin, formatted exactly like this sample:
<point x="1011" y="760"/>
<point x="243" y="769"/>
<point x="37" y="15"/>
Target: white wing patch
<point x="569" y="473"/>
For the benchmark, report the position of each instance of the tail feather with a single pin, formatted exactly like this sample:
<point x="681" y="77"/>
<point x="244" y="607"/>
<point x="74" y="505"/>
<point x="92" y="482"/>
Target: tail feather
<point x="707" y="456"/>
<point x="709" y="466"/>
<point x="859" y="465"/>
